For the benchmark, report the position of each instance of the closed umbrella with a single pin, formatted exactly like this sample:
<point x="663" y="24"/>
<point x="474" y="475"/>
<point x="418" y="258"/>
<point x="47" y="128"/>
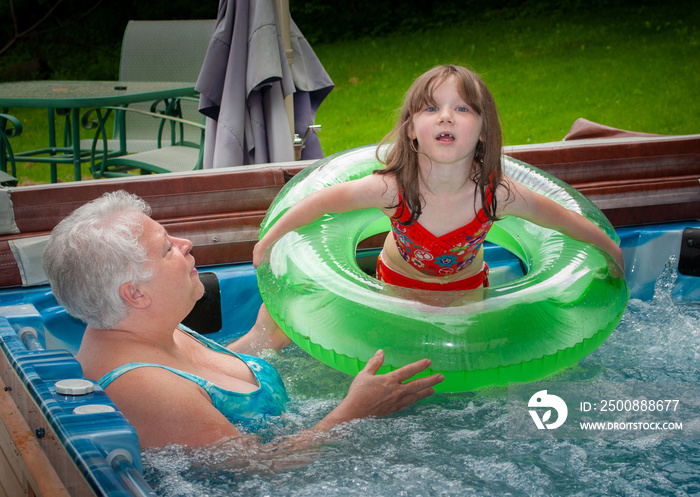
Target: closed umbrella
<point x="244" y="81"/>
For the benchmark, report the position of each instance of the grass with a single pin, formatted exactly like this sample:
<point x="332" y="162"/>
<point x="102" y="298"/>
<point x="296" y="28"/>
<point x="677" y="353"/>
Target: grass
<point x="34" y="136"/>
<point x="634" y="68"/>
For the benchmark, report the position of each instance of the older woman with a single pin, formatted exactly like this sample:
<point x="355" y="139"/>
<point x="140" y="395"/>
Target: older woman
<point x="119" y="271"/>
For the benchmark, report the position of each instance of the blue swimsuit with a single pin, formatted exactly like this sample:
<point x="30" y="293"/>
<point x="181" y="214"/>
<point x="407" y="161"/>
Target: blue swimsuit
<point x="248" y="409"/>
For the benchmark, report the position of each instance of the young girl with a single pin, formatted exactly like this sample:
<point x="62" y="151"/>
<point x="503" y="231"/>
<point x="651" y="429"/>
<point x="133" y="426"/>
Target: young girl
<point x="442" y="188"/>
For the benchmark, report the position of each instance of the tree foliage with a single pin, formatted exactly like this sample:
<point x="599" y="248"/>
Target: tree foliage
<point x="80" y="39"/>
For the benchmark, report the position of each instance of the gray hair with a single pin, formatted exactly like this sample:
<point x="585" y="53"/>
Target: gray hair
<point x="95" y="250"/>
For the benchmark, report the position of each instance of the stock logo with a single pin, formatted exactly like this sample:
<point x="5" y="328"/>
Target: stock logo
<point x="543" y="400"/>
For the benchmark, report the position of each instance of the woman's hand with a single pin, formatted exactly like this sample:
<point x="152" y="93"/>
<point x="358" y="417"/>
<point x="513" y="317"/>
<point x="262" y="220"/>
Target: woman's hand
<point x="379" y="395"/>
<point x="369" y="395"/>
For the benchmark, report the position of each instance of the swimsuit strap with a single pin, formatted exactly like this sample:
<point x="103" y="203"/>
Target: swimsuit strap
<point x="125" y="368"/>
<point x="105" y="381"/>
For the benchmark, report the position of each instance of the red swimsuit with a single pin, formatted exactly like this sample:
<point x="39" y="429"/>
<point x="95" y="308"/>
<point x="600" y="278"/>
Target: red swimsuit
<point x="437" y="256"/>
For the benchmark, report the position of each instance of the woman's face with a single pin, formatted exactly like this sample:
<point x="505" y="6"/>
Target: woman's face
<point x="175" y="282"/>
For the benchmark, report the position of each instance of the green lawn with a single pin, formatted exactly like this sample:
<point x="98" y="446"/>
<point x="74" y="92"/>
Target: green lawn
<point x="635" y="68"/>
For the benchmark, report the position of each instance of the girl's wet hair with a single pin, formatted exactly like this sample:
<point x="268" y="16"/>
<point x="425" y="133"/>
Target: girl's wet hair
<point x="402" y="157"/>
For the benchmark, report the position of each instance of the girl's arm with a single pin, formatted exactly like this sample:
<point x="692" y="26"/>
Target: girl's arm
<point x="370" y="191"/>
<point x="538" y="209"/>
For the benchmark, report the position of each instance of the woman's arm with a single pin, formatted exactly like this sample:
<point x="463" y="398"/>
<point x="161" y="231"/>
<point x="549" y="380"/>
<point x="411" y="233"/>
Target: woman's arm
<point x="167" y="409"/>
<point x="538" y="209"/>
<point x="369" y="395"/>
<point x="370" y="191"/>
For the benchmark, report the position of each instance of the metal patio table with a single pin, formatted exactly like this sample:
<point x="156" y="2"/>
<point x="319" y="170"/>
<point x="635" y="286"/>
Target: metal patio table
<point x="67" y="98"/>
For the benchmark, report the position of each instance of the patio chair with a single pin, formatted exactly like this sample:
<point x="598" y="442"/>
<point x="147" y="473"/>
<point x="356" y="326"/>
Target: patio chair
<point x="172" y="154"/>
<point x="10" y="127"/>
<point x="161" y="51"/>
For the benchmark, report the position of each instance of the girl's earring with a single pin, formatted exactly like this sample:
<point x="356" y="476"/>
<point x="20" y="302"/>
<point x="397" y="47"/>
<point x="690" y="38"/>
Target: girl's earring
<point x="479" y="152"/>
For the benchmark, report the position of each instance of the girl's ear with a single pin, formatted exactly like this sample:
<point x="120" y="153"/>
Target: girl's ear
<point x="132" y="295"/>
<point x="410" y="131"/>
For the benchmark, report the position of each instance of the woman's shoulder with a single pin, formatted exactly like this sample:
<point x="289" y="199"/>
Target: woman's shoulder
<point x="103" y="351"/>
<point x="95" y="355"/>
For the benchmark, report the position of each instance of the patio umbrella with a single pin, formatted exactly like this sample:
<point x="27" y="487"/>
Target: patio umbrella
<point x="245" y="79"/>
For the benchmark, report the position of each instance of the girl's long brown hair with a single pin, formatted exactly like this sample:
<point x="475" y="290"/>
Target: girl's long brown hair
<point x="402" y="158"/>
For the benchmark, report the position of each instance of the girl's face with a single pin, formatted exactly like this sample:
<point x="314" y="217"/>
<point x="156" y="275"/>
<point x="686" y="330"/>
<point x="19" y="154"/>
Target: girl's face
<point x="448" y="129"/>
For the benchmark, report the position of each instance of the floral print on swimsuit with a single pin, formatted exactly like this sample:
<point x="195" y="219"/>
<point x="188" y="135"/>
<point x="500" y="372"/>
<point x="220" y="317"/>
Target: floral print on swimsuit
<point x="443" y="255"/>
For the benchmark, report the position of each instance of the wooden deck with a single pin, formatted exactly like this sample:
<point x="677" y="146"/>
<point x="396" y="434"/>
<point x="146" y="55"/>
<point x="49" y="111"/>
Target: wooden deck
<point x="29" y="465"/>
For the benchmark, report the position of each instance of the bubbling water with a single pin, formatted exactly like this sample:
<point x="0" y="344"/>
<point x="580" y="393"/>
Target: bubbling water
<point x="457" y="444"/>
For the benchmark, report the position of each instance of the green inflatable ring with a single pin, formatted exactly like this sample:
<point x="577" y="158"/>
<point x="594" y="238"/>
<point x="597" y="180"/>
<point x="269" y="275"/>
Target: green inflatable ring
<point x="567" y="304"/>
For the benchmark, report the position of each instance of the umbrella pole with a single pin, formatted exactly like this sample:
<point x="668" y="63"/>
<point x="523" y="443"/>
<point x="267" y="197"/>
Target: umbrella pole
<point x="282" y="7"/>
